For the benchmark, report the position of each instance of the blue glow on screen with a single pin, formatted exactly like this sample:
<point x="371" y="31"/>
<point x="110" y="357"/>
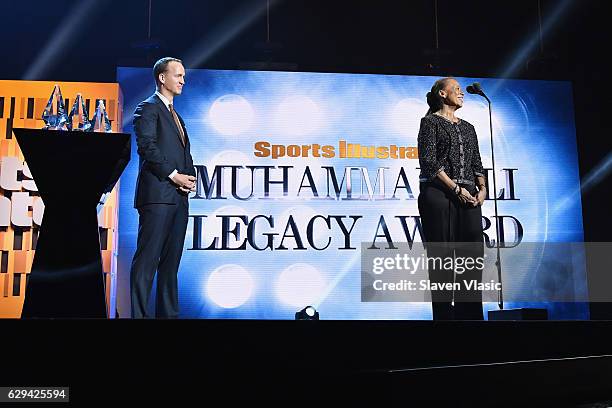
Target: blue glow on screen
<point x="227" y="112"/>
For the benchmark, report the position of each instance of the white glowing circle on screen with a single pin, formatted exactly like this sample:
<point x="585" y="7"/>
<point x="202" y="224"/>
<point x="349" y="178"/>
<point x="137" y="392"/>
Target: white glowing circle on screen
<point x="229" y="286"/>
<point x="211" y="225"/>
<point x="231" y="115"/>
<point x="406" y="116"/>
<point x="299" y="285"/>
<point x="477" y="113"/>
<point x="302" y="215"/>
<point x="231" y="158"/>
<point x="298" y="115"/>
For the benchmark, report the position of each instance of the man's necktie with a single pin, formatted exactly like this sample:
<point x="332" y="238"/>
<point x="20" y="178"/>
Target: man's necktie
<point x="178" y="123"/>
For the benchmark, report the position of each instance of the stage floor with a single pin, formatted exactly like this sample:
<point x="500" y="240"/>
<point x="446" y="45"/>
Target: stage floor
<point x="568" y="363"/>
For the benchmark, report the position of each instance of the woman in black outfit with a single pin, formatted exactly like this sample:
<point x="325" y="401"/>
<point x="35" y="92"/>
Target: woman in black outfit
<point x="452" y="190"/>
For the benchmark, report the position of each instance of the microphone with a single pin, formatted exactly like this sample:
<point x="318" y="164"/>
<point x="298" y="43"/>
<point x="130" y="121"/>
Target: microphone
<point x="475" y="88"/>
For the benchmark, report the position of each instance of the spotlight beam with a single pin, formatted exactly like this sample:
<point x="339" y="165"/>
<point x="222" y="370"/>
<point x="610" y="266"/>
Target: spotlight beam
<point x="597" y="174"/>
<point x="533" y="41"/>
<point x="224" y="32"/>
<point x="64" y="35"/>
<point x="594" y="177"/>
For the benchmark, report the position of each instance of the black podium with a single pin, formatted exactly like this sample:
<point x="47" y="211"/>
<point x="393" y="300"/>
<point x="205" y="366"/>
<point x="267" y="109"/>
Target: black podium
<point x="71" y="171"/>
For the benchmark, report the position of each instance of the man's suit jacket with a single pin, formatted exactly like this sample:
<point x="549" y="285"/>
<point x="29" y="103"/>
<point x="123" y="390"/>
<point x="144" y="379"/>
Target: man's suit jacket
<point x="161" y="152"/>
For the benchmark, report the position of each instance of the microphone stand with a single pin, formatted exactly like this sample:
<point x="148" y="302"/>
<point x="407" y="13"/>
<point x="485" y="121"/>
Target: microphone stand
<point x="501" y="314"/>
<point x="500" y="295"/>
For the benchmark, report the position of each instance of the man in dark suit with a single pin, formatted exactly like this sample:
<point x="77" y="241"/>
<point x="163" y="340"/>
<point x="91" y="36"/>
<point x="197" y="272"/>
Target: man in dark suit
<point x="165" y="178"/>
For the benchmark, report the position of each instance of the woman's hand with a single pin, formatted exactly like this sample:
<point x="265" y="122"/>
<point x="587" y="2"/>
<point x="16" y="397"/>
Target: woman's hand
<point x="480" y="197"/>
<point x="466" y="198"/>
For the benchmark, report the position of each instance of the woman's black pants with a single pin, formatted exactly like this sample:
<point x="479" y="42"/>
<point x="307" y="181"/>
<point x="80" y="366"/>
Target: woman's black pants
<point x="452" y="229"/>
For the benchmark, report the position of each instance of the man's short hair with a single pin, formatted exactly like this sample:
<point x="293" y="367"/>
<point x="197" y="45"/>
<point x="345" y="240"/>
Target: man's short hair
<point x="162" y="66"/>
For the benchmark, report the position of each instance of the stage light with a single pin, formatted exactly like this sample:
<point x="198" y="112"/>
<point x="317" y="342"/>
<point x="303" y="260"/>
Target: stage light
<point x="231" y="115"/>
<point x="300" y="284"/>
<point x="229" y="286"/>
<point x="307" y="313"/>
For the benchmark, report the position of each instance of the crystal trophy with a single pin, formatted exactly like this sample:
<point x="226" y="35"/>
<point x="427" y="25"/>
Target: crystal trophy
<point x="78" y="118"/>
<point x="54" y="114"/>
<point x="100" y="120"/>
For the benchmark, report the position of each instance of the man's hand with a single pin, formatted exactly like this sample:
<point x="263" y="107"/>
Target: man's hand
<point x="184" y="190"/>
<point x="184" y="182"/>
